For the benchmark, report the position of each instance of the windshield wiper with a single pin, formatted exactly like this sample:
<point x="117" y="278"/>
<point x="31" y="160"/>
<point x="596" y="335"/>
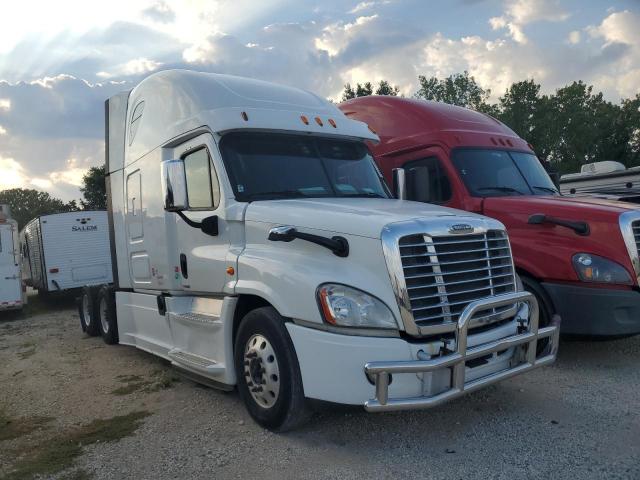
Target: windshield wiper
<point x="502" y="189"/>
<point x="363" y="194"/>
<point x="546" y="189"/>
<point x="281" y="193"/>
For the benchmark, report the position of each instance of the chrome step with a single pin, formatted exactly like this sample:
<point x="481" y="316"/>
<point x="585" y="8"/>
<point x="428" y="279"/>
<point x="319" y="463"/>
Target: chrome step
<point x="184" y="359"/>
<point x="199" y="318"/>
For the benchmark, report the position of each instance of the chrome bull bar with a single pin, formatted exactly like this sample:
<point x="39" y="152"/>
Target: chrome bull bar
<point x="381" y="371"/>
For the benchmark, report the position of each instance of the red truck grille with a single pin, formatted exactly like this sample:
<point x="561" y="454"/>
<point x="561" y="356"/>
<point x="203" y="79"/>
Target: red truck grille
<point x="444" y="274"/>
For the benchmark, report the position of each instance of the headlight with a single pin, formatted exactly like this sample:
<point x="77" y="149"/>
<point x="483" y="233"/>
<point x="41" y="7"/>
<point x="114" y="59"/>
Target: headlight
<point x="592" y="268"/>
<point x="347" y="307"/>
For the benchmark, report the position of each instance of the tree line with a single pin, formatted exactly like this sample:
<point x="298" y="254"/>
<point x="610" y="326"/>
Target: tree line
<point x="28" y="203"/>
<point x="568" y="128"/>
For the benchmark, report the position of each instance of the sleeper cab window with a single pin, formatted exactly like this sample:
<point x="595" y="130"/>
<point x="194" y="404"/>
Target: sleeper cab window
<point x="136" y="116"/>
<point x="203" y="189"/>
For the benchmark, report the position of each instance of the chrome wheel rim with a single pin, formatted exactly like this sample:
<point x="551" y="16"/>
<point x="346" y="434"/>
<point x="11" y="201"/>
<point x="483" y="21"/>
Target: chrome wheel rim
<point x="261" y="371"/>
<point x="103" y="315"/>
<point x="86" y="311"/>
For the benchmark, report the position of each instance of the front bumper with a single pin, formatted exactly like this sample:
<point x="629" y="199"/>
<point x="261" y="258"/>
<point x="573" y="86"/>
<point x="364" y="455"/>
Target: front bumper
<point x="595" y="311"/>
<point x="339" y="368"/>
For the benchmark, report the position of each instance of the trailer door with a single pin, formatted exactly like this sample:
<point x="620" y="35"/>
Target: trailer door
<point x="10" y="281"/>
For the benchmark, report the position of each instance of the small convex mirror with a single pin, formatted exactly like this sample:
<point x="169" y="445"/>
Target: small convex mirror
<point x="174" y="186"/>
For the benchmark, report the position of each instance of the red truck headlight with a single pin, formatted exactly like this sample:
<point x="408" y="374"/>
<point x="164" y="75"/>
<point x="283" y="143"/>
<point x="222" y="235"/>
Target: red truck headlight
<point x="592" y="268"/>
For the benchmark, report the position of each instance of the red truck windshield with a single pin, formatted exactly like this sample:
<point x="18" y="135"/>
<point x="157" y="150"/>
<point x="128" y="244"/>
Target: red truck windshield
<point x="493" y="173"/>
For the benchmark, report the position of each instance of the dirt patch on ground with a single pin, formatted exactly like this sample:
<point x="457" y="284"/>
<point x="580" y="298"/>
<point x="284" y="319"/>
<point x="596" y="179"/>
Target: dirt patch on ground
<point x="63" y="390"/>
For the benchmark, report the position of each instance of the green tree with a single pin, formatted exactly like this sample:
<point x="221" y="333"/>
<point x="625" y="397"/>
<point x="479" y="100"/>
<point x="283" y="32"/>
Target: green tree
<point x="366" y="89"/>
<point x="94" y="190"/>
<point x="27" y="203"/>
<point x="459" y="89"/>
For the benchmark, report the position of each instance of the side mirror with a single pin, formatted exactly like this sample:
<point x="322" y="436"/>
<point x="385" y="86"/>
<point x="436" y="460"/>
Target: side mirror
<point x="399" y="183"/>
<point x="419" y="184"/>
<point x="174" y="186"/>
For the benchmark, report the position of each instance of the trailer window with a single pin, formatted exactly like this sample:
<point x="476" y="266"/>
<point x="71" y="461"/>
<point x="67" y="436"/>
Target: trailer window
<point x="203" y="189"/>
<point x="266" y="166"/>
<point x="496" y="173"/>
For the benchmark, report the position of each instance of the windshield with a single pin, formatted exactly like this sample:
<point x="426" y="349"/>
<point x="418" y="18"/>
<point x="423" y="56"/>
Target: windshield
<point x="493" y="173"/>
<point x="267" y="166"/>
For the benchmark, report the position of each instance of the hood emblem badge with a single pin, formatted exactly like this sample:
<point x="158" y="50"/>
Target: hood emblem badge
<point x="461" y="228"/>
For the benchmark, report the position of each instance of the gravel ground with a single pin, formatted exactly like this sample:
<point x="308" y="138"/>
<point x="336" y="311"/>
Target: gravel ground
<point x="577" y="419"/>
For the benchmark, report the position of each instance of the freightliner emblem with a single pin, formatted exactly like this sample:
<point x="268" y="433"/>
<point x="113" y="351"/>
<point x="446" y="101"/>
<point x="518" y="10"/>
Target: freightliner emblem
<point x="461" y="228"/>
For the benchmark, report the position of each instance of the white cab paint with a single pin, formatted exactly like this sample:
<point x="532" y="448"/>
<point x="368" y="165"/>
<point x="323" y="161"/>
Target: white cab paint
<point x="173" y="113"/>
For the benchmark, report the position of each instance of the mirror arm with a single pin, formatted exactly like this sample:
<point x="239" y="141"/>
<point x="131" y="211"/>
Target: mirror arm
<point x="188" y="221"/>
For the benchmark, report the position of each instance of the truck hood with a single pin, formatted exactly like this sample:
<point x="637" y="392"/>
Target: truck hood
<point x="574" y="208"/>
<point x="364" y="217"/>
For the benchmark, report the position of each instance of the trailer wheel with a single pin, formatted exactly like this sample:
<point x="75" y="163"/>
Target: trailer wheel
<point x="107" y="320"/>
<point x="269" y="380"/>
<point x="87" y="309"/>
<point x="545" y="305"/>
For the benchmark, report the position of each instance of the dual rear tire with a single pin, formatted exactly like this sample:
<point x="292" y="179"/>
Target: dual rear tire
<point x="97" y="310"/>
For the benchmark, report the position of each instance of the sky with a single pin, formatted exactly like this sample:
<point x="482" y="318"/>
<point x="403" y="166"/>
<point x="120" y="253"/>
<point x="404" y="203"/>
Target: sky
<point x="60" y="60"/>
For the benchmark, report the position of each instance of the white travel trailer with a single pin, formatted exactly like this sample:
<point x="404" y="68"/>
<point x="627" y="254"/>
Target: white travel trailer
<point x="605" y="179"/>
<point x="66" y="251"/>
<point x="256" y="245"/>
<point x="12" y="293"/>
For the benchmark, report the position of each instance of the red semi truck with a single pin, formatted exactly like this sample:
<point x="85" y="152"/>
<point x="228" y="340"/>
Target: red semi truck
<point x="579" y="256"/>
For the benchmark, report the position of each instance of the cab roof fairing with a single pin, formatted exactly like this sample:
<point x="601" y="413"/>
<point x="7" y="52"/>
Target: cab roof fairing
<point x="178" y="101"/>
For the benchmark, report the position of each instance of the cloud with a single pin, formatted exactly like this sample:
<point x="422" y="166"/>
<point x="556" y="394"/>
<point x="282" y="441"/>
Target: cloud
<point x="5" y="104"/>
<point x="160" y="12"/>
<point x="574" y="37"/>
<point x="12" y="174"/>
<point x="522" y="12"/>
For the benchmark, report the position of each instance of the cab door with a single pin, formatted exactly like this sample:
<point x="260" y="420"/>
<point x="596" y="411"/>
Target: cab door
<point x="201" y="258"/>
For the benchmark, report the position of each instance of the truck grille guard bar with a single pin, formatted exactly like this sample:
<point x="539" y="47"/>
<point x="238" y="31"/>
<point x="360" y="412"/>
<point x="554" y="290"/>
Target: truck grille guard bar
<point x="381" y="371"/>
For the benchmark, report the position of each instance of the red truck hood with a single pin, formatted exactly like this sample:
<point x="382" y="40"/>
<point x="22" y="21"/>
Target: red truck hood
<point x="545" y="250"/>
<point x="575" y="208"/>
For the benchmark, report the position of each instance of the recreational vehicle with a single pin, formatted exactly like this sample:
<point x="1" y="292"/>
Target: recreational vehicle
<point x="12" y="291"/>
<point x="255" y="245"/>
<point x="66" y="251"/>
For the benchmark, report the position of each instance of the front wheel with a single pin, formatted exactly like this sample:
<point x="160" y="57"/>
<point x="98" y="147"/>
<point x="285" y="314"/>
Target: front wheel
<point x="269" y="380"/>
<point x="545" y="307"/>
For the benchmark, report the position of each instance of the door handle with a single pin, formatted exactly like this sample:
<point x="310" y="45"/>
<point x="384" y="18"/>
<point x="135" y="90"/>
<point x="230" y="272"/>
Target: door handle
<point x="183" y="265"/>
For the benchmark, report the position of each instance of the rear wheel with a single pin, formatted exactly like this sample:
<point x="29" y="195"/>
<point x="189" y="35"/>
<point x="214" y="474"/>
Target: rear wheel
<point x="269" y="380"/>
<point x="87" y="309"/>
<point x="107" y="315"/>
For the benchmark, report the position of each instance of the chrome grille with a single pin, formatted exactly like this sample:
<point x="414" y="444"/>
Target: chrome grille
<point x="636" y="233"/>
<point x="444" y="274"/>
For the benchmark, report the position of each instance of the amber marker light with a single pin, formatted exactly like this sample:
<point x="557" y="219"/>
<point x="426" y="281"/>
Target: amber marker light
<point x="231" y="271"/>
<point x="323" y="293"/>
<point x="304" y="119"/>
<point x="319" y="121"/>
<point x="245" y="117"/>
<point x="332" y="123"/>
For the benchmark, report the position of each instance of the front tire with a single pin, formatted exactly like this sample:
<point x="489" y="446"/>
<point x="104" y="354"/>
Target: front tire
<point x="269" y="380"/>
<point x="107" y="320"/>
<point x="88" y="311"/>
<point x="545" y="306"/>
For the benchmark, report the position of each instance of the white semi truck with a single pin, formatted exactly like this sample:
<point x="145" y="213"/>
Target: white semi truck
<point x="256" y="246"/>
<point x="12" y="289"/>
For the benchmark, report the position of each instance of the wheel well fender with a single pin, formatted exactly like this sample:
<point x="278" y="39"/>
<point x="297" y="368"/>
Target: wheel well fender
<point x="534" y="284"/>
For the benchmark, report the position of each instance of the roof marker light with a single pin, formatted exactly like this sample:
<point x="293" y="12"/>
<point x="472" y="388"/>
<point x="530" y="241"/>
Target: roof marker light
<point x="372" y="130"/>
<point x="501" y="142"/>
<point x="245" y="117"/>
<point x="319" y="121"/>
<point x="332" y="123"/>
<point x="493" y="140"/>
<point x="304" y="119"/>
